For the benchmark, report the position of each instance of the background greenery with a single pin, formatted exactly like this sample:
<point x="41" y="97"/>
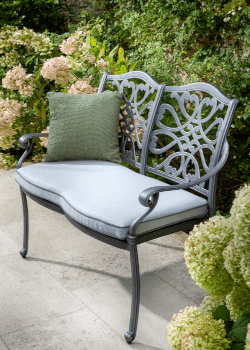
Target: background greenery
<point x="177" y="42"/>
<point x="38" y="15"/>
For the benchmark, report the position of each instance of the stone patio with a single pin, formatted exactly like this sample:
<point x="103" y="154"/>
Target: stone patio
<point x="73" y="292"/>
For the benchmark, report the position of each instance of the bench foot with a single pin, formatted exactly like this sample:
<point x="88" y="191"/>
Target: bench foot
<point x="23" y="253"/>
<point x="129" y="336"/>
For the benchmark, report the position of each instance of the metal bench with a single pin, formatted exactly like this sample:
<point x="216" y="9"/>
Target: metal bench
<point x="174" y="133"/>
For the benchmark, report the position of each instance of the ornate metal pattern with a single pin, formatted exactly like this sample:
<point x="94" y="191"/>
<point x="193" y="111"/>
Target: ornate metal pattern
<point x="192" y="141"/>
<point x="134" y="116"/>
<point x="132" y="124"/>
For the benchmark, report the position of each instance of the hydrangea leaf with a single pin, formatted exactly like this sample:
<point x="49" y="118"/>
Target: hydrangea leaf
<point x="239" y="329"/>
<point x="222" y="313"/>
<point x="79" y="74"/>
<point x="242" y="321"/>
<point x="238" y="346"/>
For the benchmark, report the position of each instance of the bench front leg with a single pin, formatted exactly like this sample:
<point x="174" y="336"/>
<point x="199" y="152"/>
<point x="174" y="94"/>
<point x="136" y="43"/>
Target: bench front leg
<point x="130" y="335"/>
<point x="24" y="251"/>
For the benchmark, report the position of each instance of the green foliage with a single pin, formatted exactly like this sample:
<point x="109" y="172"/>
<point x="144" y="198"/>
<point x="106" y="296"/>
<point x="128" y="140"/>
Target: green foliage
<point x="7" y="161"/>
<point x="180" y="42"/>
<point x="239" y="332"/>
<point x="38" y="15"/>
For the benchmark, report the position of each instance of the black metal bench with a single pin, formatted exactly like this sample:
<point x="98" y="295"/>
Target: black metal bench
<point x="183" y="129"/>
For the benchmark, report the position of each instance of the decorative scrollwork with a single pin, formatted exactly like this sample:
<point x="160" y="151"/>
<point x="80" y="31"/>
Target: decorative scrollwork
<point x="189" y="138"/>
<point x="132" y="124"/>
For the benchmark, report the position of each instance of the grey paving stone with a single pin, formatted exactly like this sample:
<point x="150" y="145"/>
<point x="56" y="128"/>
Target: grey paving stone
<point x="2" y="346"/>
<point x="90" y="268"/>
<point x="111" y="301"/>
<point x="8" y="246"/>
<point x="81" y="330"/>
<point x="11" y="209"/>
<point x="29" y="295"/>
<point x="8" y="183"/>
<point x="176" y="274"/>
<point x="53" y="239"/>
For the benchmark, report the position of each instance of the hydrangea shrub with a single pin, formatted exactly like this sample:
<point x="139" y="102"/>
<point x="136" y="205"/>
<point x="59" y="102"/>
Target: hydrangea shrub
<point x="203" y="255"/>
<point x="217" y="254"/>
<point x="31" y="64"/>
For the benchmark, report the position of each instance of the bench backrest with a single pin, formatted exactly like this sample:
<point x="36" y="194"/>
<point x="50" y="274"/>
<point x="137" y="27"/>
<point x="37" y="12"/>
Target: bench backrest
<point x="174" y="132"/>
<point x="142" y="95"/>
<point x="191" y="127"/>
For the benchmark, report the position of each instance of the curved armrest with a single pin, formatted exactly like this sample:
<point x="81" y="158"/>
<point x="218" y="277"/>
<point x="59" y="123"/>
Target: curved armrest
<point x="144" y="197"/>
<point x="28" y="146"/>
<point x="26" y="137"/>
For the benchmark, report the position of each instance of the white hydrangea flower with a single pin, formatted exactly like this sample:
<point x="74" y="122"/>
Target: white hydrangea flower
<point x="9" y="111"/>
<point x="205" y="333"/>
<point x="82" y="87"/>
<point x="179" y="324"/>
<point x="75" y="44"/>
<point x="210" y="304"/>
<point x="17" y="79"/>
<point x="240" y="218"/>
<point x="203" y="255"/>
<point x="238" y="300"/>
<point x="58" y="69"/>
<point x="232" y="259"/>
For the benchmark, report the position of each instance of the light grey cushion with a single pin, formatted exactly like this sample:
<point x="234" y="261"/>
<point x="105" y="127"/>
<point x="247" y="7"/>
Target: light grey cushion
<point x="104" y="195"/>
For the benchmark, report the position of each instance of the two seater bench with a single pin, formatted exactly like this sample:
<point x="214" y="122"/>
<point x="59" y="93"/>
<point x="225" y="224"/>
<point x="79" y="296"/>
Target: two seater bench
<point x="173" y="142"/>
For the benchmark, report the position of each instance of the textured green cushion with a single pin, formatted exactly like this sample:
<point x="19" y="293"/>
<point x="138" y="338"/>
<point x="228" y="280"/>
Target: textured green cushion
<point x="83" y="127"/>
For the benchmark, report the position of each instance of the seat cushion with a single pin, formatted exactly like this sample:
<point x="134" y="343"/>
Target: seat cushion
<point x="104" y="195"/>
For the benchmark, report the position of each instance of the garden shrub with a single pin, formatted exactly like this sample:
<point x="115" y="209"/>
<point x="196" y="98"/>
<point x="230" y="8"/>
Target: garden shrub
<point x="217" y="259"/>
<point x="38" y="15"/>
<point x="33" y="64"/>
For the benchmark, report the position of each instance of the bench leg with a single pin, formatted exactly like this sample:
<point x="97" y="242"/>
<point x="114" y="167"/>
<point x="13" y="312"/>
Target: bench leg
<point x="24" y="251"/>
<point x="130" y="335"/>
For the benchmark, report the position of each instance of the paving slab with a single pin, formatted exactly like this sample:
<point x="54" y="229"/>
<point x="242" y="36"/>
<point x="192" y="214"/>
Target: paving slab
<point x="11" y="209"/>
<point x="2" y="346"/>
<point x="91" y="268"/>
<point x="111" y="301"/>
<point x="81" y="330"/>
<point x="164" y="257"/>
<point x="29" y="295"/>
<point x="8" y="246"/>
<point x="53" y="239"/>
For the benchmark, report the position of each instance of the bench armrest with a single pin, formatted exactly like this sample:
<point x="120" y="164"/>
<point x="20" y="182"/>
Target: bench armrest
<point x="144" y="197"/>
<point x="28" y="146"/>
<point x="26" y="137"/>
<point x="149" y="197"/>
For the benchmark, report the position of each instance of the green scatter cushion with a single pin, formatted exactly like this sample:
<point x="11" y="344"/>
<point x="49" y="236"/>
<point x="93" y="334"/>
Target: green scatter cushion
<point x="83" y="127"/>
